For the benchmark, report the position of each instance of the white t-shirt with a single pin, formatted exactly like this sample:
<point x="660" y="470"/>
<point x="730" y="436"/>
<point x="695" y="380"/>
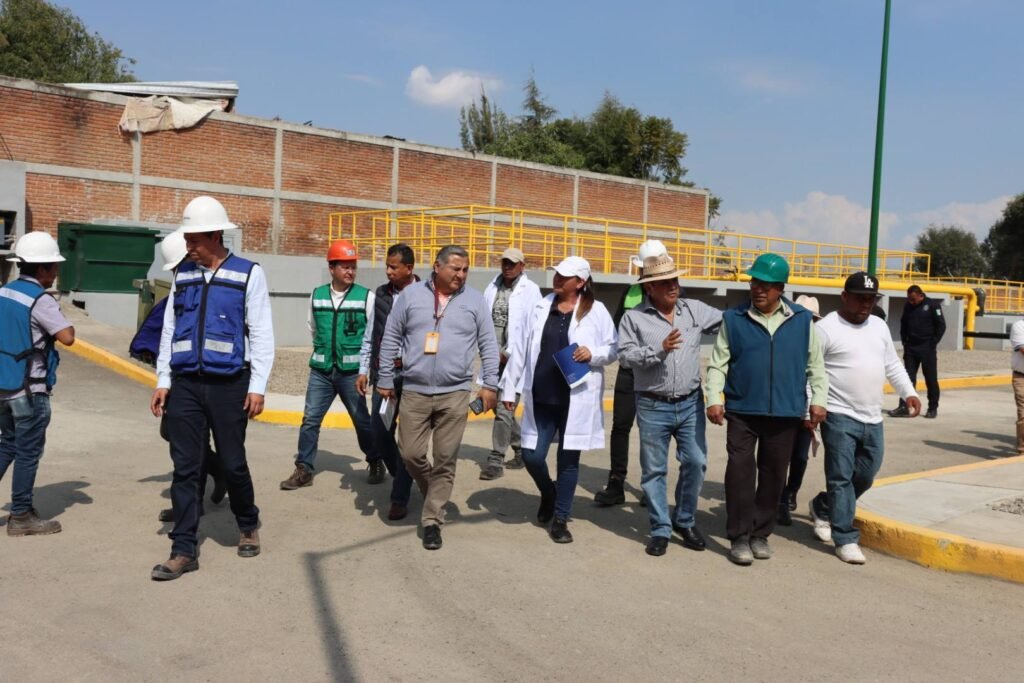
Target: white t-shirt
<point x="858" y="360"/>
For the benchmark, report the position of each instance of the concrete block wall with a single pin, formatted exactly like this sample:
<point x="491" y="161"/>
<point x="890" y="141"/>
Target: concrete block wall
<point x="279" y="181"/>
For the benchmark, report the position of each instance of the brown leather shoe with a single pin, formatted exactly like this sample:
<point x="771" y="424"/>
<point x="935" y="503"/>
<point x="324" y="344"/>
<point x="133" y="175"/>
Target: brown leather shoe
<point x="249" y="544"/>
<point x="397" y="512"/>
<point x="174" y="568"/>
<point x="300" y="477"/>
<point x="30" y="524"/>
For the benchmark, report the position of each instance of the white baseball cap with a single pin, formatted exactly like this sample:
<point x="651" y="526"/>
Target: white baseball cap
<point x="573" y="266"/>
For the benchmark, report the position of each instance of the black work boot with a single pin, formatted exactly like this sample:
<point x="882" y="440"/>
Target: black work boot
<point x="612" y="494"/>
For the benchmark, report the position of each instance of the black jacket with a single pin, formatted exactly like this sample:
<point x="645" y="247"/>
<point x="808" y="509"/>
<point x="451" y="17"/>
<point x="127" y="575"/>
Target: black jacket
<point x="384" y="299"/>
<point x="922" y="324"/>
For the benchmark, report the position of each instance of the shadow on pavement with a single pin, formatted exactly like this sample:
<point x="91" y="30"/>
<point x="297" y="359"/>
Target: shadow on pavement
<point x="984" y="452"/>
<point x="52" y="500"/>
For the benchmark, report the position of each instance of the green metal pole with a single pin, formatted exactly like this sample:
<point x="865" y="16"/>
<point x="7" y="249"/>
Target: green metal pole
<point x="876" y="189"/>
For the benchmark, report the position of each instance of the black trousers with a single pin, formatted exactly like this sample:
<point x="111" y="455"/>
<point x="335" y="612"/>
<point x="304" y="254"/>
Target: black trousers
<point x="211" y="465"/>
<point x="925" y="357"/>
<point x="759" y="449"/>
<point x="196" y="406"/>
<point x="623" y="416"/>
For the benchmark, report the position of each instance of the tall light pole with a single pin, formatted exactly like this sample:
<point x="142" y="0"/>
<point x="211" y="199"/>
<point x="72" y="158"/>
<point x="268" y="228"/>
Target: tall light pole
<point x="876" y="189"/>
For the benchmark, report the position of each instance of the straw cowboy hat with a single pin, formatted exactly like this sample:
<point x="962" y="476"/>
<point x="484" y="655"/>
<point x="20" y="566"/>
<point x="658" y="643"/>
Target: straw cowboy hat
<point x="660" y="267"/>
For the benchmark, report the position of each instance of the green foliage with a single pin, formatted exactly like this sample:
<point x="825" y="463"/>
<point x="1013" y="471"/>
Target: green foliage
<point x="954" y="251"/>
<point x="614" y="139"/>
<point x="43" y="42"/>
<point x="1004" y="246"/>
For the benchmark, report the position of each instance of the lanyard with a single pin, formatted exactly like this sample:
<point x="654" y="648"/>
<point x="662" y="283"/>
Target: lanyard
<point x="438" y="308"/>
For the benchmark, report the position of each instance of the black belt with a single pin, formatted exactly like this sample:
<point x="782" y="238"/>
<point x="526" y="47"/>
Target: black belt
<point x="667" y="399"/>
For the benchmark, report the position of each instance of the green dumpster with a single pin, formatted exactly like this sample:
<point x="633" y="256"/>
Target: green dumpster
<point x="103" y="258"/>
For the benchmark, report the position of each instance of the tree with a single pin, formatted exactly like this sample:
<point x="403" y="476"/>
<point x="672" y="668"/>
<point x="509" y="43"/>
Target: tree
<point x="482" y="127"/>
<point x="954" y="252"/>
<point x="43" y="42"/>
<point x="614" y="139"/>
<point x="1004" y="246"/>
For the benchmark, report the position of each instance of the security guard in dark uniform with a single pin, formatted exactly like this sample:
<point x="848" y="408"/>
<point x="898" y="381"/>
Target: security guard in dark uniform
<point x="921" y="329"/>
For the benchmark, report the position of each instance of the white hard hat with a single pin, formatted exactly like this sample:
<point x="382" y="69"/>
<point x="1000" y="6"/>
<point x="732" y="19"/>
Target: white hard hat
<point x="173" y="249"/>
<point x="649" y="249"/>
<point x="36" y="247"/>
<point x="205" y="214"/>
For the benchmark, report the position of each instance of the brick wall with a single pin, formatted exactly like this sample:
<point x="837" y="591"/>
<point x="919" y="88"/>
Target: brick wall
<point x="78" y="167"/>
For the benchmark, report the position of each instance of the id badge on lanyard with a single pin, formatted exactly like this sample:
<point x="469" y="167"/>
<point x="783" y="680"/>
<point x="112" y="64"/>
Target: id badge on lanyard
<point x="433" y="341"/>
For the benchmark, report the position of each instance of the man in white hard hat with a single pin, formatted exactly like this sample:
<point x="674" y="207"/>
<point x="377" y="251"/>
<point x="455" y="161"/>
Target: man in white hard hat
<point x="32" y="320"/>
<point x="217" y="350"/>
<point x="623" y="400"/>
<point x="510" y="297"/>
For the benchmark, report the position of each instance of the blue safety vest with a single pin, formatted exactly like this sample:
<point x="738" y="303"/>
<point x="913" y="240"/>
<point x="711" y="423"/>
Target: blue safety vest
<point x="209" y="318"/>
<point x="17" y="299"/>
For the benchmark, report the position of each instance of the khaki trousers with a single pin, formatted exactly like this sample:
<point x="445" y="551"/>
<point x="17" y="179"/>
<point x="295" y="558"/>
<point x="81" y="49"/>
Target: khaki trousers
<point x="1018" y="394"/>
<point x="442" y="416"/>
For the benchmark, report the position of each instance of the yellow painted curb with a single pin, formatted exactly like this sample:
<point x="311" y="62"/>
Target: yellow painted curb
<point x="963" y="382"/>
<point x="937" y="549"/>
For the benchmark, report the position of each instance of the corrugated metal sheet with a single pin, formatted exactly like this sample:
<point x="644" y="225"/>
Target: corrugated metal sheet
<point x="196" y="89"/>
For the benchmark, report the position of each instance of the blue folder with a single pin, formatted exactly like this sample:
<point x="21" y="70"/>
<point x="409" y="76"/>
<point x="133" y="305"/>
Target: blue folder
<point x="575" y="372"/>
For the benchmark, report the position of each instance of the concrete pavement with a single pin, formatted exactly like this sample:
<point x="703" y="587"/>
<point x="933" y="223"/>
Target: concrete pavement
<point x="341" y="594"/>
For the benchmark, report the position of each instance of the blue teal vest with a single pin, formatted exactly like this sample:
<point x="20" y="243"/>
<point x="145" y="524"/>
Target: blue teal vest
<point x="17" y="300"/>
<point x="209" y="318"/>
<point x="767" y="374"/>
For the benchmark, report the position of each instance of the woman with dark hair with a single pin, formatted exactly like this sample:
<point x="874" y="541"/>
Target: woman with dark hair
<point x="551" y="406"/>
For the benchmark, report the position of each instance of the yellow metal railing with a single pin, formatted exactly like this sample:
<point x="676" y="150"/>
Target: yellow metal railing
<point x="1001" y="296"/>
<point x="546" y="238"/>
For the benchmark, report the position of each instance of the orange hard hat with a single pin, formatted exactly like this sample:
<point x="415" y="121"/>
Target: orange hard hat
<point x="342" y="250"/>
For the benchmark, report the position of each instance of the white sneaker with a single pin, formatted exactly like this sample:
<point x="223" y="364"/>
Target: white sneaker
<point x="850" y="553"/>
<point x="822" y="527"/>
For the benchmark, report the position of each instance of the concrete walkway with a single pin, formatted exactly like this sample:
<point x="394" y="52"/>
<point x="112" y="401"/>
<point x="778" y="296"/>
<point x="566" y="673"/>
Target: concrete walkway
<point x="967" y="518"/>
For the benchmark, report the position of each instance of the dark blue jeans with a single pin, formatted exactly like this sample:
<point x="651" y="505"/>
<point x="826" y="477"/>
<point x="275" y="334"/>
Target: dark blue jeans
<point x="550" y="420"/>
<point x="853" y="455"/>
<point x="384" y="443"/>
<point x="196" y="406"/>
<point x="23" y="423"/>
<point x="320" y="393"/>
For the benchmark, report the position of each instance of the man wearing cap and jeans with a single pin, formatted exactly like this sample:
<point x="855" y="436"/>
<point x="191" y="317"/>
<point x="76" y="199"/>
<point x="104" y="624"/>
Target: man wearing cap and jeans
<point x="859" y="356"/>
<point x="766" y="354"/>
<point x="660" y="340"/>
<point x="510" y="297"/>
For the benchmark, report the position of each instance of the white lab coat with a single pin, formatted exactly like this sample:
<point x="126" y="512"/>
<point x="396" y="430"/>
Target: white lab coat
<point x="585" y="426"/>
<point x="524" y="297"/>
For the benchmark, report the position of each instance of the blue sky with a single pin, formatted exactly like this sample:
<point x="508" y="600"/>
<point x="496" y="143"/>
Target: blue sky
<point x="778" y="98"/>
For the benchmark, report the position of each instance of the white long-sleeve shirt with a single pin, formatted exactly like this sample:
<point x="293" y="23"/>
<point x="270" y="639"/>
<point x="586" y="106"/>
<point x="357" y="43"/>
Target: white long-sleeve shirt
<point x="858" y="360"/>
<point x="1016" y="343"/>
<point x="259" y="343"/>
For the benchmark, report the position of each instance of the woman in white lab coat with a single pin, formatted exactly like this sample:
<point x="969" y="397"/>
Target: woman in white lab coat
<point x="569" y="315"/>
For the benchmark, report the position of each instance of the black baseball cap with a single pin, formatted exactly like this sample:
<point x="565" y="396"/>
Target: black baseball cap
<point x="861" y="283"/>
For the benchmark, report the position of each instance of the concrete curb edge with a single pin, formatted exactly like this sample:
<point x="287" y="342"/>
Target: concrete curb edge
<point x="937" y="549"/>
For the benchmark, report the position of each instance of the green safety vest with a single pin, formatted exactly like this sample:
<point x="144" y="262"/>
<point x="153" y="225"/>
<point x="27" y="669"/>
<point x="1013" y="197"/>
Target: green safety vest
<point x="338" y="333"/>
<point x="634" y="295"/>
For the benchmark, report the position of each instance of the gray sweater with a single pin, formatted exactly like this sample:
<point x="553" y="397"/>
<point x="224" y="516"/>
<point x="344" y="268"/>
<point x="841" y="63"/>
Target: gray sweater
<point x="465" y="328"/>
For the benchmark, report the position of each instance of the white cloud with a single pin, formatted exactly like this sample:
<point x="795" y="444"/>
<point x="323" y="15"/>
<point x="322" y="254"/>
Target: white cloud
<point x="768" y="78"/>
<point x="454" y="89"/>
<point x="762" y="80"/>
<point x="818" y="217"/>
<point x="977" y="217"/>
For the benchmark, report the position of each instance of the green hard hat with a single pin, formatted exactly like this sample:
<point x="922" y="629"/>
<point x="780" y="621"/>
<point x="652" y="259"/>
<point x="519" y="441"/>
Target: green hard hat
<point x="770" y="268"/>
